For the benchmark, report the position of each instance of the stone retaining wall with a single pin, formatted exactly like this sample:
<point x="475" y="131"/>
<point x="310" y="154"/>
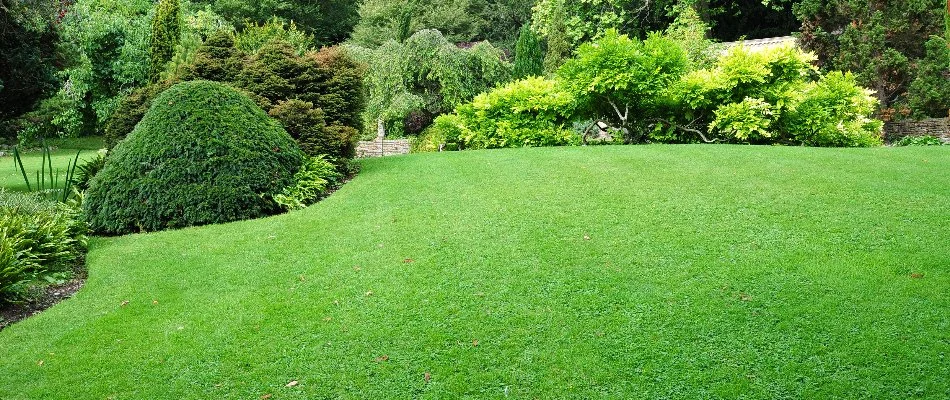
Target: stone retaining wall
<point x="939" y="127"/>
<point x="381" y="148"/>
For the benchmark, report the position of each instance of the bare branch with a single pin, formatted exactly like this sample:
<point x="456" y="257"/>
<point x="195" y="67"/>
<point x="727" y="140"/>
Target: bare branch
<point x="685" y="129"/>
<point x="623" y="117"/>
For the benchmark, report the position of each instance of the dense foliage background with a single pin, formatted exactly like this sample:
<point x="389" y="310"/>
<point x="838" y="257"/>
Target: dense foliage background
<point x="68" y="67"/>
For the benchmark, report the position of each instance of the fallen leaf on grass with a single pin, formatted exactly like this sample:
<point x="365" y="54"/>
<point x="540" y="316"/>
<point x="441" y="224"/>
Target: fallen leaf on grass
<point x="408" y="261"/>
<point x="382" y="358"/>
<point x="40" y="363"/>
<point x="292" y="384"/>
<point x="586" y="237"/>
<point x="369" y="293"/>
<point x="475" y="343"/>
<point x="266" y="396"/>
<point x="357" y="268"/>
<point x="327" y="319"/>
<point x="744" y="297"/>
<point x="124" y="303"/>
<point x="154" y="302"/>
<point x="916" y="275"/>
<point x="427" y="377"/>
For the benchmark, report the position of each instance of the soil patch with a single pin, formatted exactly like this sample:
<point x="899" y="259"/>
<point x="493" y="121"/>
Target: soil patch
<point x="45" y="298"/>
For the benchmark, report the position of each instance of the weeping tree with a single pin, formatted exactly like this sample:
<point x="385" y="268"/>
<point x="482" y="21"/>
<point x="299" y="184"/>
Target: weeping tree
<point x="411" y="83"/>
<point x="166" y="33"/>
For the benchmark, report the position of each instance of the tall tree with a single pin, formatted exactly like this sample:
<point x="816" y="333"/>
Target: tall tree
<point x="588" y="19"/>
<point x="460" y="21"/>
<point x="28" y="54"/>
<point x="166" y="33"/>
<point x="879" y="41"/>
<point x="329" y="21"/>
<point x="559" y="45"/>
<point x="529" y="55"/>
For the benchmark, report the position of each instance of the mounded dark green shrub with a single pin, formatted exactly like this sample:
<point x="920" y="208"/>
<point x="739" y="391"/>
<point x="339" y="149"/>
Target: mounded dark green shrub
<point x="131" y="110"/>
<point x="203" y="154"/>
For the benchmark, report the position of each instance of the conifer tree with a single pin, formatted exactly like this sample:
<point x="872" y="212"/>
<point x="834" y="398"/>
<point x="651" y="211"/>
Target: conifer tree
<point x="166" y="33"/>
<point x="559" y="47"/>
<point x="529" y="56"/>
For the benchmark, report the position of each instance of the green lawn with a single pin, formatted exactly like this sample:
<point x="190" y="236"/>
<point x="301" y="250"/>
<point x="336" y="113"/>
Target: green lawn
<point x="602" y="272"/>
<point x="11" y="178"/>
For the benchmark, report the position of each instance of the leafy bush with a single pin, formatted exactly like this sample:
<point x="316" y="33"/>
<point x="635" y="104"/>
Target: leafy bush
<point x="203" y="154"/>
<point x="108" y="42"/>
<point x="747" y="121"/>
<point x="919" y="141"/>
<point x="88" y="170"/>
<point x="526" y="113"/>
<point x="835" y="112"/>
<point x="317" y="177"/>
<point x="776" y="76"/>
<point x="331" y="21"/>
<point x="308" y="127"/>
<point x="216" y="60"/>
<point x="620" y="79"/>
<point x="36" y="236"/>
<point x="58" y="116"/>
<point x="130" y="111"/>
<point x="774" y="96"/>
<point x="445" y="133"/>
<point x="254" y="36"/>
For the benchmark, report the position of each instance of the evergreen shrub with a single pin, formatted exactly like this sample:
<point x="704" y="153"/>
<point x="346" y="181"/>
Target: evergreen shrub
<point x="203" y="154"/>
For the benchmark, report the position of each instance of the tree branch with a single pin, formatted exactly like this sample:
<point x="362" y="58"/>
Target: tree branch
<point x="685" y="129"/>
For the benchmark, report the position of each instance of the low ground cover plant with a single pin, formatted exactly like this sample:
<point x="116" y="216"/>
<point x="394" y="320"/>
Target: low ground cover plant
<point x="204" y="153"/>
<point x="37" y="237"/>
<point x="919" y="141"/>
<point x="315" y="180"/>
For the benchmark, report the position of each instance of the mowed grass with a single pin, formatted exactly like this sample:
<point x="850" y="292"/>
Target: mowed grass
<point x="11" y="177"/>
<point x="602" y="272"/>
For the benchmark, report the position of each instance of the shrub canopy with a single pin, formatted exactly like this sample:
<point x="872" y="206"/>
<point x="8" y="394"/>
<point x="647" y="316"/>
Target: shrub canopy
<point x="204" y="153"/>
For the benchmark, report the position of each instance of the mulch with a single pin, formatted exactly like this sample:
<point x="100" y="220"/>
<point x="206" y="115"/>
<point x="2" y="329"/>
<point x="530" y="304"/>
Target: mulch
<point x="44" y="299"/>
